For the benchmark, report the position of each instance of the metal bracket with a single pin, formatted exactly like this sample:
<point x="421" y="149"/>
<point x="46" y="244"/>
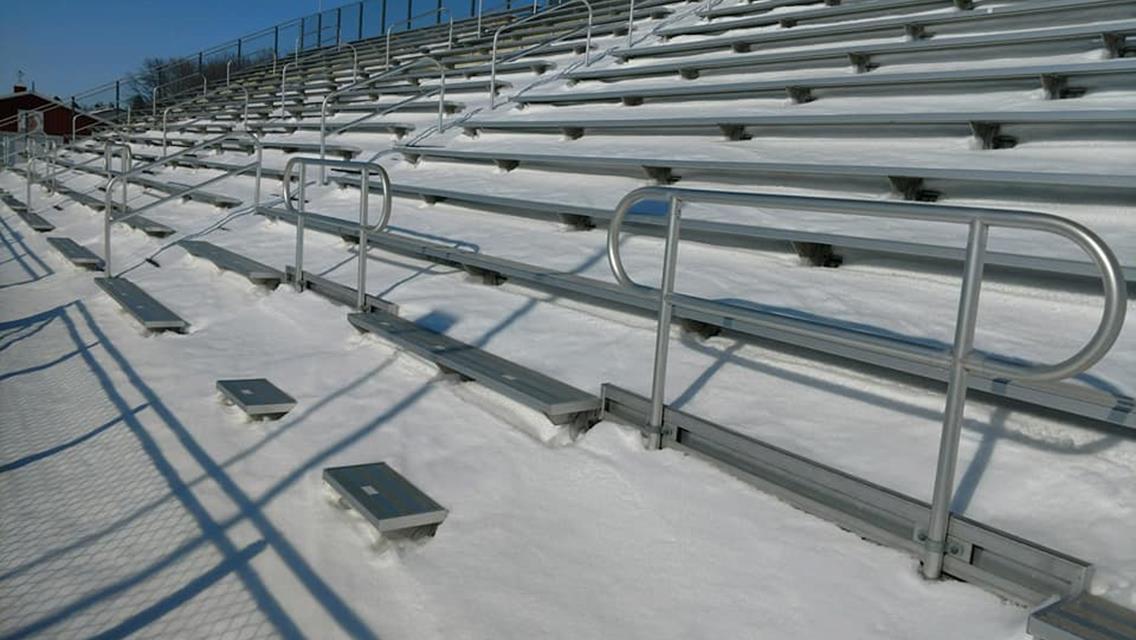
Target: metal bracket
<point x="689" y="74"/>
<point x="577" y="222"/>
<point x="572" y="133"/>
<point x="734" y="132"/>
<point x="506" y="165"/>
<point x="912" y="189"/>
<point x="800" y="95"/>
<point x="989" y="135"/>
<point x="956" y="548"/>
<point x="1057" y="87"/>
<point x="916" y="31"/>
<point x="818" y="255"/>
<point x="662" y="175"/>
<point x="861" y="62"/>
<point x="1116" y="44"/>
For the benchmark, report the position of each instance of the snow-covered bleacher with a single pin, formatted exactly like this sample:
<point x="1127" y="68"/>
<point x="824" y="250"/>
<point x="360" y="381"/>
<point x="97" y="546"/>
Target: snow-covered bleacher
<point x="818" y="318"/>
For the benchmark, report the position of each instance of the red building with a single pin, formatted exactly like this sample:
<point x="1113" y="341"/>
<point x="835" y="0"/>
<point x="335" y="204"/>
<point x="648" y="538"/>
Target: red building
<point x="52" y="115"/>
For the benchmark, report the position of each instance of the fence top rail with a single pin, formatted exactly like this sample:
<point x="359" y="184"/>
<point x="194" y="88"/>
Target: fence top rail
<point x="1112" y="278"/>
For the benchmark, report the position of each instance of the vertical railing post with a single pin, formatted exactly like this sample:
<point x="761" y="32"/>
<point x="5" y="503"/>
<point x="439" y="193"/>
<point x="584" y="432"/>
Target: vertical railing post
<point x="117" y="97"/>
<point x="275" y="45"/>
<point x="201" y="62"/>
<point x="300" y="40"/>
<point x="298" y="277"/>
<point x="319" y="30"/>
<point x="359" y="30"/>
<point x="29" y="149"/>
<point x="383" y="20"/>
<point x="364" y="192"/>
<point x="239" y="51"/>
<point x="259" y="169"/>
<point x="409" y="13"/>
<point x="935" y="537"/>
<point x="438" y="13"/>
<point x="663" y="329"/>
<point x="630" y="21"/>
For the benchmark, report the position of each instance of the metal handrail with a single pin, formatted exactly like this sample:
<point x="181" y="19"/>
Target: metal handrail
<point x="283" y="81"/>
<point x="354" y="59"/>
<point x="410" y="20"/>
<point x="362" y="83"/>
<point x="166" y="113"/>
<point x="154" y="91"/>
<point x="365" y="169"/>
<point x="546" y="12"/>
<point x="124" y="179"/>
<point x="961" y="360"/>
<point x="127" y="155"/>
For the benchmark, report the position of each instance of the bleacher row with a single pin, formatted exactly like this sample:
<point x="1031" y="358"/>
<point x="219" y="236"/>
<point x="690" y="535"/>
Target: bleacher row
<point x="920" y="100"/>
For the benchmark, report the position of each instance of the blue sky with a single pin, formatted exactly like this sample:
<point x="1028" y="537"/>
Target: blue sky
<point x="66" y="46"/>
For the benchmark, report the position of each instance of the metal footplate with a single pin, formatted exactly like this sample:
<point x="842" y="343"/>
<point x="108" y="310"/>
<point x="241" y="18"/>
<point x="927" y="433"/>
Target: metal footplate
<point x="152" y="314"/>
<point x="385" y="498"/>
<point x="257" y="397"/>
<point x="562" y="403"/>
<point x="1006" y="564"/>
<point x="1084" y="617"/>
<point x="255" y="272"/>
<point x="76" y="253"/>
<point x="35" y="221"/>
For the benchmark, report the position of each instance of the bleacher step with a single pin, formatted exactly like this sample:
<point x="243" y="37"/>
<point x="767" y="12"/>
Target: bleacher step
<point x="561" y="402"/>
<point x="385" y="498"/>
<point x="35" y="221"/>
<point x="152" y="314"/>
<point x="1084" y="617"/>
<point x="76" y="253"/>
<point x="256" y="272"/>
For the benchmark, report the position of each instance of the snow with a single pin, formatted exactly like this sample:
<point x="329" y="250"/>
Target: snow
<point x="134" y="500"/>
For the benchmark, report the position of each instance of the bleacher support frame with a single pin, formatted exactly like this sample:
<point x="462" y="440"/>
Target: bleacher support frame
<point x="961" y="360"/>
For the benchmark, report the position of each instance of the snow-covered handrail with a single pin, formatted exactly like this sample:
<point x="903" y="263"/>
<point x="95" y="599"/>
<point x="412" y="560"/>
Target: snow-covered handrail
<point x="365" y="169"/>
<point x="960" y="361"/>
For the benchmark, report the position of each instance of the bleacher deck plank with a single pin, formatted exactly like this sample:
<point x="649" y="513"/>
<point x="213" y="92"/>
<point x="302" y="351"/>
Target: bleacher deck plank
<point x="255" y="272"/>
<point x="145" y="309"/>
<point x="562" y="403"/>
<point x="76" y="253"/>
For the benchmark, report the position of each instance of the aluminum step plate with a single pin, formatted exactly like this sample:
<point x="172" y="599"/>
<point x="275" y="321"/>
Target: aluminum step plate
<point x="385" y="498"/>
<point x="257" y="397"/>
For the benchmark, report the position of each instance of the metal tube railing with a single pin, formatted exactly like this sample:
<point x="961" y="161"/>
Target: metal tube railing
<point x="961" y="361"/>
<point x="283" y="80"/>
<point x="154" y="91"/>
<point x="166" y="113"/>
<point x="410" y="21"/>
<point x="546" y="12"/>
<point x="354" y="59"/>
<point x="365" y="169"/>
<point x="362" y="83"/>
<point x="124" y="179"/>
